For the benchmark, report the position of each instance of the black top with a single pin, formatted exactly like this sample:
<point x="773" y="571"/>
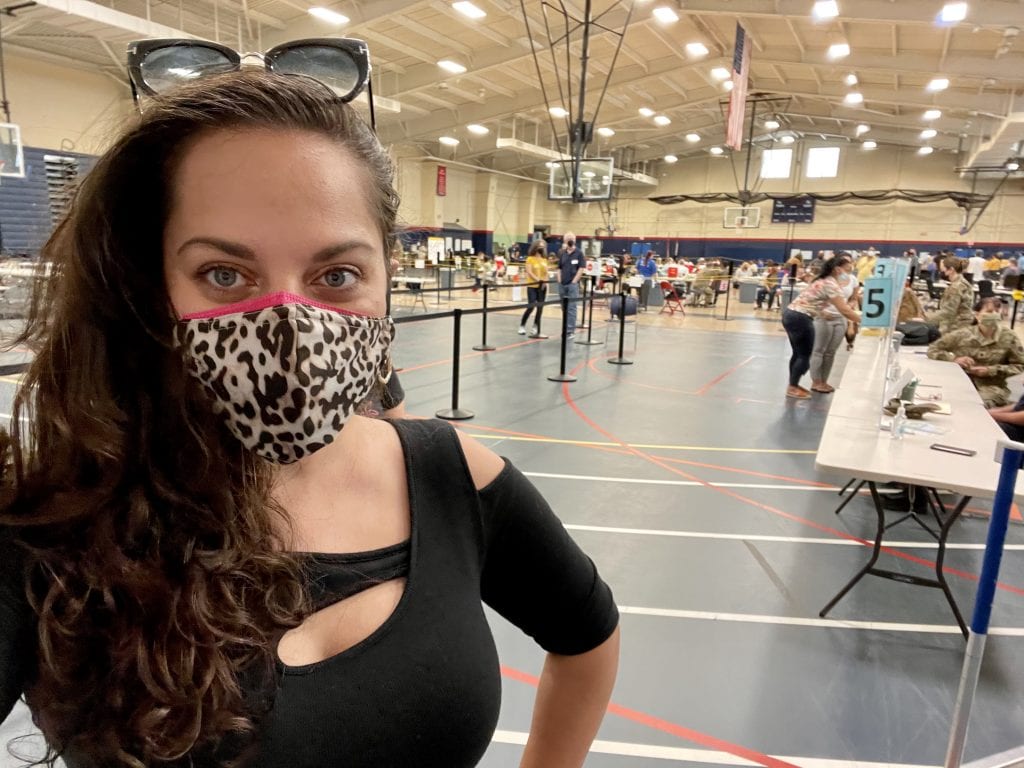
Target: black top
<point x="569" y="263"/>
<point x="423" y="689"/>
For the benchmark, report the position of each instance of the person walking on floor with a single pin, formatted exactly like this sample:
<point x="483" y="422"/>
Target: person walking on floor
<point x="647" y="268"/>
<point x="798" y="319"/>
<point x="570" y="269"/>
<point x="829" y="330"/>
<point x="536" y="285"/>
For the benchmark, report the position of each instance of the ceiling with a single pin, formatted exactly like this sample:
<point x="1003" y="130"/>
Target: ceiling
<point x="897" y="48"/>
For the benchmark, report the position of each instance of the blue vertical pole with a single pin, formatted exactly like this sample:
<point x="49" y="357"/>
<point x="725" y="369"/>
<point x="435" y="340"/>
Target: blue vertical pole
<point x="1013" y="455"/>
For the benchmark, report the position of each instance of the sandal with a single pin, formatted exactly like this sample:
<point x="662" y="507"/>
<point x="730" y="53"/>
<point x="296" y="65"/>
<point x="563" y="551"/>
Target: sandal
<point x="827" y="389"/>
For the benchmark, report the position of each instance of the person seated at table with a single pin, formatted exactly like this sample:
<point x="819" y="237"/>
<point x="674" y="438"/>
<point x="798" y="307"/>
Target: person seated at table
<point x="769" y="286"/>
<point x="1010" y="419"/>
<point x="956" y="305"/>
<point x="989" y="352"/>
<point x="911" y="308"/>
<point x="701" y="292"/>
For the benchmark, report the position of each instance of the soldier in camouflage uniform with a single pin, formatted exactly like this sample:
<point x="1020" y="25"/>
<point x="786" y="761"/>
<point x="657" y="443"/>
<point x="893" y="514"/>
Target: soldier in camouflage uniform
<point x="702" y="293"/>
<point x="988" y="352"/>
<point x="955" y="307"/>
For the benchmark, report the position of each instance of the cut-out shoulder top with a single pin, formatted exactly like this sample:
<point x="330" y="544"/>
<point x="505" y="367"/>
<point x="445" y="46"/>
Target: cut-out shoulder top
<point x="424" y="689"/>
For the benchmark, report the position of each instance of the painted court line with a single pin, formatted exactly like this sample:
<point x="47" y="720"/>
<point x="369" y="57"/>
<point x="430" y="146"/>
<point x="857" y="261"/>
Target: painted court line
<point x="712" y="448"/>
<point x="797" y="621"/>
<point x="642" y="481"/>
<point x="778" y="539"/>
<point x="704" y="756"/>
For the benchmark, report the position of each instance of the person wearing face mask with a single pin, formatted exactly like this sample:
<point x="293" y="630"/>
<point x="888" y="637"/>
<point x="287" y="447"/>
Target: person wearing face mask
<point x="956" y="307"/>
<point x="798" y="318"/>
<point x="830" y="326"/>
<point x="210" y="557"/>
<point x="989" y="352"/>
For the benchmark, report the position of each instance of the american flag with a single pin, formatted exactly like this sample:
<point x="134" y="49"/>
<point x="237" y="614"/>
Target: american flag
<point x="738" y="98"/>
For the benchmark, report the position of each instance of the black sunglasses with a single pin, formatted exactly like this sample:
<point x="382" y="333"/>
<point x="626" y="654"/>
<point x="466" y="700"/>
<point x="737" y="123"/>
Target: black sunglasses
<point x="341" y="64"/>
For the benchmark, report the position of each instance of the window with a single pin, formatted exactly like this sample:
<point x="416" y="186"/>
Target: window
<point x="775" y="163"/>
<point x="822" y="162"/>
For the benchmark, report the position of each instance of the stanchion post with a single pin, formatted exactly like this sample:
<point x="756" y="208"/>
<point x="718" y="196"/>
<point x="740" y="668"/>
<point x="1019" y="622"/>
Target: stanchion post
<point x="583" y="303"/>
<point x="590" y="323"/>
<point x="621" y="359"/>
<point x="455" y="413"/>
<point x="562" y="375"/>
<point x="971" y="670"/>
<point x="728" y="290"/>
<point x="483" y="346"/>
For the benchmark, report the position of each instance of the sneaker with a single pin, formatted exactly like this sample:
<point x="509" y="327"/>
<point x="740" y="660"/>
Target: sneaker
<point x="522" y="330"/>
<point x="535" y="331"/>
<point x="569" y="335"/>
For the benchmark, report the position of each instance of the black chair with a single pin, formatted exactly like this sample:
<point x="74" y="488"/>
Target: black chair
<point x="985" y="289"/>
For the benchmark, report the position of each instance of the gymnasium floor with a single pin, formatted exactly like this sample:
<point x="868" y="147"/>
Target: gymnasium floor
<point x="690" y="480"/>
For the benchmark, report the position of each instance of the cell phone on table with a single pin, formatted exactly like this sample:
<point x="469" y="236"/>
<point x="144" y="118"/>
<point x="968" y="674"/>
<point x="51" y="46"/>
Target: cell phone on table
<point x="953" y="449"/>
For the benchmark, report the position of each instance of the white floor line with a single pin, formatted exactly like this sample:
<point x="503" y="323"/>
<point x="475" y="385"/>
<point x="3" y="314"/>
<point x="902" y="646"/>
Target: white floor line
<point x="797" y="621"/>
<point x="706" y="756"/>
<point x="642" y="481"/>
<point x="780" y="539"/>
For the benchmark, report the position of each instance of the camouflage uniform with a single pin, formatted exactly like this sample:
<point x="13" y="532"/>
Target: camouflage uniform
<point x="701" y="291"/>
<point x="955" y="308"/>
<point x="1003" y="355"/>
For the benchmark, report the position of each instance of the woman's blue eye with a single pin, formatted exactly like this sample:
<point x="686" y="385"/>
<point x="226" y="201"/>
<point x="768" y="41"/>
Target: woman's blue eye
<point x="223" y="277"/>
<point x="336" y="278"/>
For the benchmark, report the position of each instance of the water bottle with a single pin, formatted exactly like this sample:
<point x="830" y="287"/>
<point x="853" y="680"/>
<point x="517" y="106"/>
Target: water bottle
<point x="899" y="422"/>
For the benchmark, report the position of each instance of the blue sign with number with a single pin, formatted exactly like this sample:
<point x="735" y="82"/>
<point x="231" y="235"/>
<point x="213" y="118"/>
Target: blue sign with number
<point x="878" y="303"/>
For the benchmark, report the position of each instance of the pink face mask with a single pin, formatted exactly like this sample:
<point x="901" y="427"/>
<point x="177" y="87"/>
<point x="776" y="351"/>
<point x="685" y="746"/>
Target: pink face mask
<point x="286" y="372"/>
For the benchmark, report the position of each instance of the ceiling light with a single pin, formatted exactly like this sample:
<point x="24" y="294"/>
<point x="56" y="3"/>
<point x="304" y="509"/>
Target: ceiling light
<point x="664" y="14"/>
<point x="951" y="13"/>
<point x="869" y="144"/>
<point x="466" y="8"/>
<point x="662" y="120"/>
<point x="696" y="50"/>
<point x="854" y="97"/>
<point x="931" y="114"/>
<point x="451" y="66"/>
<point x="929" y="133"/>
<point x="716" y="150"/>
<point x="671" y="158"/>
<point x="825" y="9"/>
<point x="479" y="130"/>
<point x="1013" y="165"/>
<point x="862" y="129"/>
<point x="589" y="174"/>
<point x="558" y="112"/>
<point x="728" y="85"/>
<point x="550" y="164"/>
<point x="721" y="73"/>
<point x="771" y="125"/>
<point x="938" y="84"/>
<point x="851" y="80"/>
<point x="788" y="139"/>
<point x="838" y="50"/>
<point x="606" y="132"/>
<point x="646" y="111"/>
<point x="693" y="138"/>
<point x="925" y="151"/>
<point x="449" y="141"/>
<point x="331" y="17"/>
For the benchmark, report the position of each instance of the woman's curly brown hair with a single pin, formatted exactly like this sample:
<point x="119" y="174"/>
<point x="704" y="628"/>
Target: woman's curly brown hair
<point x="156" y="566"/>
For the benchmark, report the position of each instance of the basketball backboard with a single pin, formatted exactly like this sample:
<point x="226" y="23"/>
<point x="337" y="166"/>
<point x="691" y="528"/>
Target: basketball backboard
<point x="596" y="175"/>
<point x="12" y="155"/>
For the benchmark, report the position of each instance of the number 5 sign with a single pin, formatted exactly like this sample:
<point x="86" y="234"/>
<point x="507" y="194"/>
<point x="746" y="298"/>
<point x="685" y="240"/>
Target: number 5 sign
<point x="878" y="302"/>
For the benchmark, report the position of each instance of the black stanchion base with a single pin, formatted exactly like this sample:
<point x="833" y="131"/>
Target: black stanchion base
<point x="562" y="377"/>
<point x="590" y="343"/>
<point x="620" y="361"/>
<point x="538" y="336"/>
<point x="488" y="348"/>
<point x="455" y="414"/>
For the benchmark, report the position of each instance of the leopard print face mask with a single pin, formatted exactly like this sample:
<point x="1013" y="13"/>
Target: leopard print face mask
<point x="286" y="372"/>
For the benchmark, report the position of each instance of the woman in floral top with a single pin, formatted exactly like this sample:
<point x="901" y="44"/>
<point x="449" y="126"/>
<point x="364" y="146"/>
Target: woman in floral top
<point x="798" y="318"/>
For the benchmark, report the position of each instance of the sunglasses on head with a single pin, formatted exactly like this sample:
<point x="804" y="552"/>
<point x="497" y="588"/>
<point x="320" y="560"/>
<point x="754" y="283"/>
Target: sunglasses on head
<point x="341" y="64"/>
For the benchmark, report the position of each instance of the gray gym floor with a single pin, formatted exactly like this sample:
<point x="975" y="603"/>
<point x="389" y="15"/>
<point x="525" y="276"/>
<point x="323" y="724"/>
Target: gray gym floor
<point x="690" y="480"/>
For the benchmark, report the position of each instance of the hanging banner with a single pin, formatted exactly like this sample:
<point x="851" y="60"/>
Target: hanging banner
<point x="442" y="181"/>
<point x="738" y="97"/>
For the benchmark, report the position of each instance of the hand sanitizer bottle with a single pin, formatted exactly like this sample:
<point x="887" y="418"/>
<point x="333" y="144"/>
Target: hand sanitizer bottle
<point x="899" y="422"/>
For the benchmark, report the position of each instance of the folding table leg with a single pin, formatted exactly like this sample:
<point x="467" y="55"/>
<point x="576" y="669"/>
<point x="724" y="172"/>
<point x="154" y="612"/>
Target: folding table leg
<point x="875" y="551"/>
<point x="853" y="494"/>
<point x="941" y="557"/>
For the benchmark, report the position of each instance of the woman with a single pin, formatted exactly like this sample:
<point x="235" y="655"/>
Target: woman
<point x="798" y="318"/>
<point x="956" y="307"/>
<point x="830" y="329"/>
<point x="988" y="352"/>
<point x="205" y="535"/>
<point x="769" y="286"/>
<point x="536" y="285"/>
